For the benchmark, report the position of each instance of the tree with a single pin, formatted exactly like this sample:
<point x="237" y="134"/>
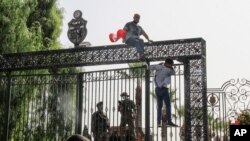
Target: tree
<point x="47" y="14"/>
<point x="28" y="25"/>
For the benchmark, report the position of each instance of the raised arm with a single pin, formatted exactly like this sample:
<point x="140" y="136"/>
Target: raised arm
<point x="155" y="67"/>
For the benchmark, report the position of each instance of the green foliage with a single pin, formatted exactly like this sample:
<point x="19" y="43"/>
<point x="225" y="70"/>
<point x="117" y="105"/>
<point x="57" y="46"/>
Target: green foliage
<point x="244" y="117"/>
<point x="42" y="107"/>
<point x="136" y="70"/>
<point x="3" y="90"/>
<point x="13" y="31"/>
<point x="32" y="25"/>
<point x="29" y="25"/>
<point x="50" y="19"/>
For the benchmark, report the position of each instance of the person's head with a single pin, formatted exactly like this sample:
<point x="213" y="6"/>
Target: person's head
<point x="169" y="62"/>
<point x="77" y="137"/>
<point x="85" y="128"/>
<point x="124" y="95"/>
<point x="99" y="106"/>
<point x="136" y="18"/>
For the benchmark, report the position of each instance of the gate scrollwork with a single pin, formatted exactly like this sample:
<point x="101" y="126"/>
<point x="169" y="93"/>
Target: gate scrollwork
<point x="226" y="103"/>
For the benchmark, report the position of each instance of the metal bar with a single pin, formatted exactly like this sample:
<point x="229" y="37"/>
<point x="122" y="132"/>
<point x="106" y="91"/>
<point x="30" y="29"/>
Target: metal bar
<point x="204" y="91"/>
<point x="8" y="100"/>
<point x="80" y="104"/>
<point x="77" y="105"/>
<point x="147" y="104"/>
<point x="188" y="136"/>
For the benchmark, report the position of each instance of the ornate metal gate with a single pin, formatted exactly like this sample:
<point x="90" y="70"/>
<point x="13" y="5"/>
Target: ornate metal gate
<point x="107" y="87"/>
<point x="190" y="52"/>
<point x="39" y="107"/>
<point x="224" y="106"/>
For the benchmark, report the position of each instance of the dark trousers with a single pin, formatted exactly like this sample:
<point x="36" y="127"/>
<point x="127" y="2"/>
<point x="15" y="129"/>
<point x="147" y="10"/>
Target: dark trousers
<point x="162" y="94"/>
<point x="138" y="43"/>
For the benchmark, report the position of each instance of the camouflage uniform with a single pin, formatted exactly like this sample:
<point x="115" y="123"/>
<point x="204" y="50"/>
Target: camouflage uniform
<point x="85" y="133"/>
<point x="127" y="108"/>
<point x="99" y="125"/>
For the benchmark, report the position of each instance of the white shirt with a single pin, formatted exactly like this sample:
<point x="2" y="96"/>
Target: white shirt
<point x="162" y="75"/>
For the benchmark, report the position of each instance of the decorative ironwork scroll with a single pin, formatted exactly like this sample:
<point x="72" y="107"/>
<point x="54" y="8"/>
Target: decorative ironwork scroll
<point x="225" y="104"/>
<point x="101" y="55"/>
<point x="191" y="52"/>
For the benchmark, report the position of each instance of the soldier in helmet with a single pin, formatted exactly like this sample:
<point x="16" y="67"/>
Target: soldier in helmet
<point x="100" y="124"/>
<point x="127" y="108"/>
<point x="85" y="132"/>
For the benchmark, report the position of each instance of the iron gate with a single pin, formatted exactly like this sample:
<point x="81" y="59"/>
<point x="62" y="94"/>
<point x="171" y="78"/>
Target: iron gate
<point x="191" y="52"/>
<point x="106" y="86"/>
<point x="52" y="107"/>
<point x="224" y="106"/>
<point x="39" y="107"/>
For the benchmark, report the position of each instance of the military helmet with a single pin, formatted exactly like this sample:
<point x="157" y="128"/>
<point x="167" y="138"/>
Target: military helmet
<point x="124" y="94"/>
<point x="99" y="104"/>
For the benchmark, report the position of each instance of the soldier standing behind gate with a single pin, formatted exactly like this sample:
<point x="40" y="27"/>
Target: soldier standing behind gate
<point x="100" y="124"/>
<point x="127" y="109"/>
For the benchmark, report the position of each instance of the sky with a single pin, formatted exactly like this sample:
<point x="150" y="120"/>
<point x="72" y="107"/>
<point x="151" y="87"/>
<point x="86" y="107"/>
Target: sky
<point x="223" y="24"/>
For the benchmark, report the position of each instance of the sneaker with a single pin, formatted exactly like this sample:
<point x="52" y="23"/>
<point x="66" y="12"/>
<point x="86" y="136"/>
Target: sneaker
<point x="172" y="124"/>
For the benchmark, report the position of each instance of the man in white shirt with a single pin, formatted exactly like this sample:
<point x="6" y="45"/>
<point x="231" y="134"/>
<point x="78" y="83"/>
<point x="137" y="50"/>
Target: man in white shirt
<point x="162" y="81"/>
